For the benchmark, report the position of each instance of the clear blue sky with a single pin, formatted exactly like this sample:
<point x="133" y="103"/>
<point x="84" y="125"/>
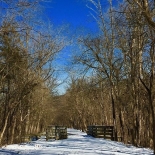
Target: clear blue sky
<point x="76" y="14"/>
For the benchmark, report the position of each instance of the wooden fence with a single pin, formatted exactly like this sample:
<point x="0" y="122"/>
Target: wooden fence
<point x="56" y="132"/>
<point x="97" y="131"/>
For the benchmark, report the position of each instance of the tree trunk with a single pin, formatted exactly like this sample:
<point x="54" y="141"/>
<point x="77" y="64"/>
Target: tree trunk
<point x="153" y="118"/>
<point x="114" y="116"/>
<point x="4" y="128"/>
<point x="13" y="132"/>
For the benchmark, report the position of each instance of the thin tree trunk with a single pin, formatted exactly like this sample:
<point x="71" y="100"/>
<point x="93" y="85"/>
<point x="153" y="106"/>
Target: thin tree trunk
<point x="114" y="116"/>
<point x="13" y="132"/>
<point x="4" y="128"/>
<point x="153" y="118"/>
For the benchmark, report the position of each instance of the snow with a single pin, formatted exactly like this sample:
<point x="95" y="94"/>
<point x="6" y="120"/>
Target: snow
<point x="77" y="143"/>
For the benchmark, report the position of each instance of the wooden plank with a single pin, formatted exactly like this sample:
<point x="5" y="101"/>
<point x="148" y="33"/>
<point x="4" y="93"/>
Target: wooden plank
<point x="101" y="131"/>
<point x="56" y="132"/>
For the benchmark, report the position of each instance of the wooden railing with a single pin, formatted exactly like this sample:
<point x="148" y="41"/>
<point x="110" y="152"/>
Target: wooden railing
<point x="98" y="131"/>
<point x="56" y="132"/>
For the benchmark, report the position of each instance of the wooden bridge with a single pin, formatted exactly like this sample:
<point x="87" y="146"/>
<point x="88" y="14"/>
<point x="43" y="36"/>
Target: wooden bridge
<point x="98" y="131"/>
<point x="56" y="132"/>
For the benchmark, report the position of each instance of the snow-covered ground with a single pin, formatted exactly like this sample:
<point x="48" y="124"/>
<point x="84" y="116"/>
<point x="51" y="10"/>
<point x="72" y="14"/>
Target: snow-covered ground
<point x="77" y="143"/>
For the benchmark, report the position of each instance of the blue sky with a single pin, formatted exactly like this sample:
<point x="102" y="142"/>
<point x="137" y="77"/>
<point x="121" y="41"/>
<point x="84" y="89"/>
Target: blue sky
<point x="77" y="15"/>
<point x="73" y="12"/>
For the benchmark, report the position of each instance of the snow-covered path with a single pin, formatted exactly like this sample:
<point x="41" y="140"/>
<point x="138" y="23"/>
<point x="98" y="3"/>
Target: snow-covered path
<point x="77" y="143"/>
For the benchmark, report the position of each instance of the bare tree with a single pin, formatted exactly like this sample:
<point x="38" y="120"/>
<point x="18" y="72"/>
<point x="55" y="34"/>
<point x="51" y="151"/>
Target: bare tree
<point x="147" y="9"/>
